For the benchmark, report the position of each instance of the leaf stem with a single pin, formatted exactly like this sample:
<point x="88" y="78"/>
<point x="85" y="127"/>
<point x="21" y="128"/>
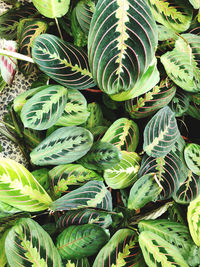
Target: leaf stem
<point x="15" y="55"/>
<point x="59" y="30"/>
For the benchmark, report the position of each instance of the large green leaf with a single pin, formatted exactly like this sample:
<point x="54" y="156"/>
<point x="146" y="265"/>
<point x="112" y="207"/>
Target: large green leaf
<point x="180" y="103"/>
<point x="62" y="61"/>
<point x="3" y="259"/>
<point x="96" y="116"/>
<point x="193" y="217"/>
<point x="174" y="14"/>
<point x="161" y="133"/>
<point x="27" y="244"/>
<point x="158" y="252"/>
<point x="93" y="194"/>
<point x="121" y="250"/>
<point x="124" y="174"/>
<point x="52" y="8"/>
<point x="75" y="112"/>
<point x="124" y="134"/>
<point x="182" y="63"/>
<point x="78" y="241"/>
<point x="192" y="157"/>
<point x="65" y="145"/>
<point x="20" y="189"/>
<point x="121" y="44"/>
<point x="43" y="109"/>
<point x="63" y="178"/>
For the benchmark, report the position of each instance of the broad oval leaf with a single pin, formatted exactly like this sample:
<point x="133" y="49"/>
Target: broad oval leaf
<point x="158" y="252"/>
<point x="101" y="156"/>
<point x="27" y="244"/>
<point x="78" y="241"/>
<point x="62" y="61"/>
<point x="121" y="250"/>
<point x="64" y="177"/>
<point x="121" y="54"/>
<point x="43" y="109"/>
<point x="20" y="189"/>
<point x="124" y="134"/>
<point x="192" y="157"/>
<point x="161" y="133"/>
<point x="52" y="8"/>
<point x="75" y="112"/>
<point x="65" y="145"/>
<point x="85" y="216"/>
<point x="124" y="174"/>
<point x="93" y="194"/>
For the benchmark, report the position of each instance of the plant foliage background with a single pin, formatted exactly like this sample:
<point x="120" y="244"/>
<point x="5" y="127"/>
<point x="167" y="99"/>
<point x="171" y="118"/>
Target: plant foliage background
<point x="109" y="130"/>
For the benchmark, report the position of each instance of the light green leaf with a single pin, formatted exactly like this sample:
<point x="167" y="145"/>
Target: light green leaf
<point x="193" y="217"/>
<point x="192" y="157"/>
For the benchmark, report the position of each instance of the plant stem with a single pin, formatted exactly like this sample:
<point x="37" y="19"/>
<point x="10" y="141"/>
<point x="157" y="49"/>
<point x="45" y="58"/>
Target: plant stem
<point x="15" y="55"/>
<point x="59" y="30"/>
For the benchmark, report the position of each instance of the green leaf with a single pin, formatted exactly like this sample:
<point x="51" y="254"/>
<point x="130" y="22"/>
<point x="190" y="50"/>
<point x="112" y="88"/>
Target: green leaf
<point x="43" y="109"/>
<point x="182" y="63"/>
<point x="101" y="156"/>
<point x="78" y="241"/>
<point x="121" y="250"/>
<point x="2" y="82"/>
<point x="96" y="116"/>
<point x="195" y="3"/>
<point x="121" y="54"/>
<point x="144" y="190"/>
<point x="193" y="217"/>
<point x="70" y="63"/>
<point x="27" y="244"/>
<point x="192" y="157"/>
<point x="124" y="174"/>
<point x="6" y="210"/>
<point x="161" y="133"/>
<point x="159" y="252"/>
<point x="20" y="189"/>
<point x="65" y="145"/>
<point x="124" y="134"/>
<point x="180" y="103"/>
<point x="42" y="176"/>
<point x="75" y="112"/>
<point x="3" y="259"/>
<point x="63" y="178"/>
<point x="93" y="194"/>
<point x="83" y="262"/>
<point x="52" y="8"/>
<point x="175" y="15"/>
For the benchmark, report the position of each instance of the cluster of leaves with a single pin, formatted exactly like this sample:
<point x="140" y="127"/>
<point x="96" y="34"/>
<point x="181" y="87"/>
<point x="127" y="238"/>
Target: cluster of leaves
<point x="101" y="189"/>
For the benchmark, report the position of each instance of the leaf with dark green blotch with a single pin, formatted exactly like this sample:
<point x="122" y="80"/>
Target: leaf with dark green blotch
<point x="192" y="157"/>
<point x="93" y="194"/>
<point x="64" y="145"/>
<point x="85" y="216"/>
<point x="96" y="116"/>
<point x="193" y="218"/>
<point x="180" y="103"/>
<point x="43" y="109"/>
<point x="177" y="214"/>
<point x="64" y="177"/>
<point x="62" y="61"/>
<point x="78" y="241"/>
<point x="83" y="262"/>
<point x="42" y="176"/>
<point x="161" y="133"/>
<point x="101" y="156"/>
<point x="27" y="244"/>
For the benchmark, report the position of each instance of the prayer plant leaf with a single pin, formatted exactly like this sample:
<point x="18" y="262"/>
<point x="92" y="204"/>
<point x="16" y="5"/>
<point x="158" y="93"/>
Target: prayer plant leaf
<point x="193" y="218"/>
<point x="121" y="250"/>
<point x="3" y="259"/>
<point x="20" y="189"/>
<point x="78" y="241"/>
<point x="124" y="174"/>
<point x="43" y="109"/>
<point x="158" y="252"/>
<point x="62" y="61"/>
<point x="161" y="133"/>
<point x="83" y="262"/>
<point x="121" y="44"/>
<point x="192" y="157"/>
<point x="180" y="103"/>
<point x="93" y="194"/>
<point x="195" y="3"/>
<point x="64" y="145"/>
<point x="28" y="244"/>
<point x="52" y="8"/>
<point x="182" y="64"/>
<point x="64" y="178"/>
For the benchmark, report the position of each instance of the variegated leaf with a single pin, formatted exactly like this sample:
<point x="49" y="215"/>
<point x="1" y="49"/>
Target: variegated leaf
<point x="2" y="82"/>
<point x="161" y="133"/>
<point x="27" y="244"/>
<point x="83" y="262"/>
<point x="195" y="3"/>
<point x="3" y="259"/>
<point x="62" y="61"/>
<point x="192" y="157"/>
<point x="121" y="250"/>
<point x="64" y="145"/>
<point x="93" y="194"/>
<point x="20" y="189"/>
<point x="96" y="116"/>
<point x="121" y="44"/>
<point x="124" y="174"/>
<point x="124" y="134"/>
<point x="43" y="109"/>
<point x="193" y="218"/>
<point x="65" y="177"/>
<point x="180" y="103"/>
<point x="78" y="241"/>
<point x="75" y="112"/>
